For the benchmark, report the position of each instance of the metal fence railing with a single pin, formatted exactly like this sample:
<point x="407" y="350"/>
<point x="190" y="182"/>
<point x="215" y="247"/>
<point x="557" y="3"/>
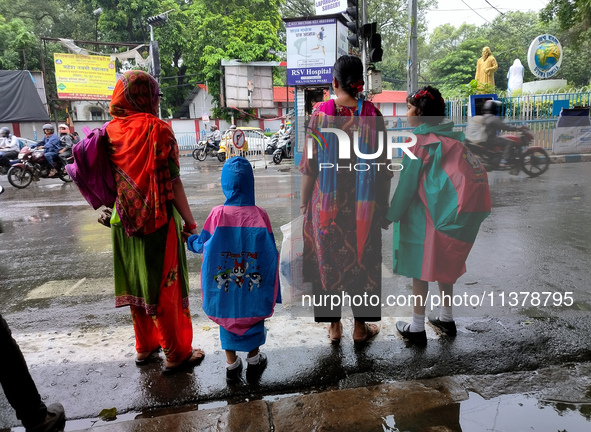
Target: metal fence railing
<point x="541" y="129"/>
<point x="524" y="107"/>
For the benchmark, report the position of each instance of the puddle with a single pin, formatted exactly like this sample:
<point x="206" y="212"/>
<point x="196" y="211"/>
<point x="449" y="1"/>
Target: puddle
<point x="516" y="413"/>
<point x="523" y="413"/>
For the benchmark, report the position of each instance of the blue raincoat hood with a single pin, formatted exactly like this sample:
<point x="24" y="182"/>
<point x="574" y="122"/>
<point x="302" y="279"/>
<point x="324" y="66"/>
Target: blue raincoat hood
<point x="238" y="182"/>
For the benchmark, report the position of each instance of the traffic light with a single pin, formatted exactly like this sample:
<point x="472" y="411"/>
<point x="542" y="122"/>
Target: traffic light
<point x="375" y="48"/>
<point x="156" y="20"/>
<point x="353" y="25"/>
<point x="374" y="42"/>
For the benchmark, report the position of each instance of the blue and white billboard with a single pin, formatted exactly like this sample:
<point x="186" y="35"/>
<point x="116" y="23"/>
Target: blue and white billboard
<point x="312" y="49"/>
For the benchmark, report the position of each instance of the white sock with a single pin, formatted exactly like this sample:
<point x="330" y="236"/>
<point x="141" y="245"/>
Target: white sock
<point x="254" y="359"/>
<point x="446" y="314"/>
<point x="418" y="323"/>
<point x="234" y="365"/>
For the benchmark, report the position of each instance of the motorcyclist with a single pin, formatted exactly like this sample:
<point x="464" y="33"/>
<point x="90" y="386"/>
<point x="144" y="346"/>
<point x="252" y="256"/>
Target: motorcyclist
<point x="51" y="146"/>
<point x="493" y="124"/>
<point x="217" y="136"/>
<point x="67" y="142"/>
<point x="9" y="149"/>
<point x="282" y="132"/>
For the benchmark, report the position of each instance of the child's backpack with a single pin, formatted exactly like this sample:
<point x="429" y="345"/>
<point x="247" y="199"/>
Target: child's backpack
<point x="92" y="170"/>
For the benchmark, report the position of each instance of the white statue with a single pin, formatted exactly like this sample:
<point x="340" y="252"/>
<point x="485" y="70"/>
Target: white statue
<point x="515" y="77"/>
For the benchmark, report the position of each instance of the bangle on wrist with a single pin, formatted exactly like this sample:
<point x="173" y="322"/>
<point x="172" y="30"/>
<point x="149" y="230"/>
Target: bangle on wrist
<point x="190" y="227"/>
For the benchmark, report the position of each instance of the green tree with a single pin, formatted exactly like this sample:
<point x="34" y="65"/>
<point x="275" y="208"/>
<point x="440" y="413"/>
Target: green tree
<point x="393" y="24"/>
<point x="243" y="30"/>
<point x="572" y="16"/>
<point x="18" y="45"/>
<point x="458" y="66"/>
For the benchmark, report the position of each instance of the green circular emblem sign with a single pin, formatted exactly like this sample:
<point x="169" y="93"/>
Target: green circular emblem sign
<point x="544" y="56"/>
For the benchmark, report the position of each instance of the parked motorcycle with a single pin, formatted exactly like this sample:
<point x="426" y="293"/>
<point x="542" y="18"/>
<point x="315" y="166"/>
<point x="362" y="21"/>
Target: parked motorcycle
<point x="283" y="150"/>
<point x="206" y="148"/>
<point x="32" y="165"/>
<point x="533" y="161"/>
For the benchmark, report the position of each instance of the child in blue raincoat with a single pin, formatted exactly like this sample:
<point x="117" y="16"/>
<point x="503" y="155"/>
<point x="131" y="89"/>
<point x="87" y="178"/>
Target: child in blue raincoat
<point x="239" y="277"/>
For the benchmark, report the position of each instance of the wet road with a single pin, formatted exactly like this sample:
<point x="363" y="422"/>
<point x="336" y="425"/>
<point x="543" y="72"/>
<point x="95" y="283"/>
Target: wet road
<point x="56" y="291"/>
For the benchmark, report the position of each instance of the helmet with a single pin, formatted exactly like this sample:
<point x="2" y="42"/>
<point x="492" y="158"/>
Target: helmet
<point x="63" y="126"/>
<point x="48" y="126"/>
<point x="233" y="127"/>
<point x="5" y="132"/>
<point x="492" y="107"/>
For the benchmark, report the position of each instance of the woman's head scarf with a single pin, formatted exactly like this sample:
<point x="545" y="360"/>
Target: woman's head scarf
<point x="142" y="146"/>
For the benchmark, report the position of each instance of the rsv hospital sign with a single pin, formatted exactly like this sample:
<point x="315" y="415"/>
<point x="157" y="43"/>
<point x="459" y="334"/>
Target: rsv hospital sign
<point x="312" y="49"/>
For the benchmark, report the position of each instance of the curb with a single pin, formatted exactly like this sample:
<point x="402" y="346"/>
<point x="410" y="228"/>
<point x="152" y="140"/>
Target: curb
<point x="570" y="158"/>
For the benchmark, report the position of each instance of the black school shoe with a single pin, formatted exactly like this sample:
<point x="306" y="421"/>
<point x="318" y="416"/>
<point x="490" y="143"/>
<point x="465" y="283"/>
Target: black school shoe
<point x="55" y="420"/>
<point x="416" y="338"/>
<point x="448" y="328"/>
<point x="234" y="375"/>
<point x="256" y="370"/>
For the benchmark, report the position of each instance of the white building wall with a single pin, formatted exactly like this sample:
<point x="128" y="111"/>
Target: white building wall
<point x="82" y="110"/>
<point x="201" y="104"/>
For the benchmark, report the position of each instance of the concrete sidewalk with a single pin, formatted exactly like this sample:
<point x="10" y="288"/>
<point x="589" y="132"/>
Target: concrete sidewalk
<point x="456" y="403"/>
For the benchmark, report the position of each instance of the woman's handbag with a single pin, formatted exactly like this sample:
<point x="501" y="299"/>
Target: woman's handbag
<point x="105" y="217"/>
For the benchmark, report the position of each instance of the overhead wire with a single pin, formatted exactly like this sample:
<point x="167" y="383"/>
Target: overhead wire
<point x="502" y="13"/>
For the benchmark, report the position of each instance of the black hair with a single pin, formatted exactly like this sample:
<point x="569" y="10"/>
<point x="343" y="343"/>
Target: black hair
<point x="348" y="71"/>
<point x="429" y="103"/>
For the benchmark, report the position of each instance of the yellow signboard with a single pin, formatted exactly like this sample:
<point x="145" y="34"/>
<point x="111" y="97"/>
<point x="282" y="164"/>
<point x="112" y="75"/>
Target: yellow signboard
<point x="81" y="77"/>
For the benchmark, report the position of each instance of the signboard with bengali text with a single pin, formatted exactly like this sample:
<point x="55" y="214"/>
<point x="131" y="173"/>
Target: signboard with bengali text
<point x="544" y="56"/>
<point x="80" y="77"/>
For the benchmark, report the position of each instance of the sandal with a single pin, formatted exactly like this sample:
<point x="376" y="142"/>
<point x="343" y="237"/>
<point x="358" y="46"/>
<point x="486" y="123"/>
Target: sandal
<point x="335" y="340"/>
<point x="189" y="363"/>
<point x="371" y="330"/>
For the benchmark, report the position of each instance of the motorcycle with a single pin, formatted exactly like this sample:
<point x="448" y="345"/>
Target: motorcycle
<point x="207" y="147"/>
<point x="534" y="160"/>
<point x="272" y="144"/>
<point x="4" y="170"/>
<point x="283" y="150"/>
<point x="32" y="165"/>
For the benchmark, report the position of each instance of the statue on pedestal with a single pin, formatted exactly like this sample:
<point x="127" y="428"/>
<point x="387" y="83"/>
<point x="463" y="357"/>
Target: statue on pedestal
<point x="515" y="77"/>
<point x="486" y="67"/>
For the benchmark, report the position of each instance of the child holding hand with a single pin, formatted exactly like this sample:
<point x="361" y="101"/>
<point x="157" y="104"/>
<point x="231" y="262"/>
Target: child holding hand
<point x="239" y="276"/>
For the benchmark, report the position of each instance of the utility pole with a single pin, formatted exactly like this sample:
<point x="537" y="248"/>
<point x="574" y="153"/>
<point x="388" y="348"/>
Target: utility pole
<point x="156" y="20"/>
<point x="412" y="72"/>
<point x="363" y="42"/>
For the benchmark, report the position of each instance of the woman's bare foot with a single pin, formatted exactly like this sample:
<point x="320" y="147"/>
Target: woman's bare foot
<point x="364" y="332"/>
<point x="335" y="332"/>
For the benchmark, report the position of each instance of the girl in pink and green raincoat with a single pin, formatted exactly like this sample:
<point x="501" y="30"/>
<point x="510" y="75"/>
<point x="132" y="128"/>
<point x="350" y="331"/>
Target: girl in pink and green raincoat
<point x="441" y="199"/>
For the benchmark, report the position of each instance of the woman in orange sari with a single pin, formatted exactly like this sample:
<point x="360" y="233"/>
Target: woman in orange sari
<point x="150" y="265"/>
